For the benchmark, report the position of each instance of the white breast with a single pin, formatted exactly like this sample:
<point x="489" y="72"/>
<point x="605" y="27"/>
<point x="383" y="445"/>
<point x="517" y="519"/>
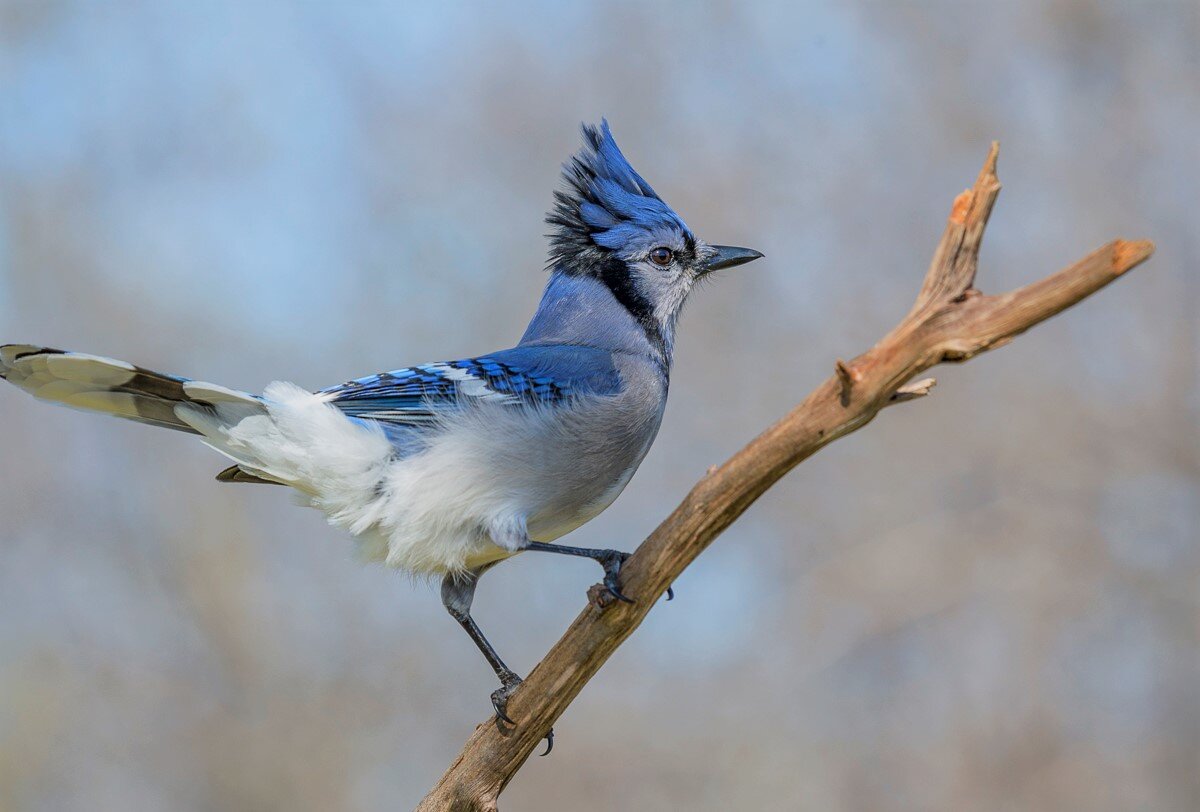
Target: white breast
<point x="491" y="477"/>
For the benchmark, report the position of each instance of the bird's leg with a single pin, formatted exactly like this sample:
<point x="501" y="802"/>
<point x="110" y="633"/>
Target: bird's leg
<point x="611" y="560"/>
<point x="457" y="593"/>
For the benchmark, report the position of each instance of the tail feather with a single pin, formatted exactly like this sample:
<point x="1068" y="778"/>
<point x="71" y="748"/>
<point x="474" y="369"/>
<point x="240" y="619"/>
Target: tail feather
<point x="95" y="384"/>
<point x="113" y="387"/>
<point x="236" y="473"/>
<point x="270" y="439"/>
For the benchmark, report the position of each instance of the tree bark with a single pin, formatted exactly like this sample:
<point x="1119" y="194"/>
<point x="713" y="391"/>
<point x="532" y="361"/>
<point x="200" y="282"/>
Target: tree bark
<point x="950" y="321"/>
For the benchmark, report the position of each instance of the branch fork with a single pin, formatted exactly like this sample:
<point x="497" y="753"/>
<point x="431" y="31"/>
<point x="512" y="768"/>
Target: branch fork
<point x="950" y="321"/>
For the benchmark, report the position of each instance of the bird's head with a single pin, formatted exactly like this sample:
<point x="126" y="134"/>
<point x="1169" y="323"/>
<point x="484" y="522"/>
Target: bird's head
<point x="609" y="224"/>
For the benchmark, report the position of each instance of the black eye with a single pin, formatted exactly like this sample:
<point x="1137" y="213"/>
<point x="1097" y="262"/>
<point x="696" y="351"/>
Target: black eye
<point x="661" y="256"/>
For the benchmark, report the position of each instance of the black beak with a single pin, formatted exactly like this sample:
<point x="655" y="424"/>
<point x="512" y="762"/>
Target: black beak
<point x="729" y="256"/>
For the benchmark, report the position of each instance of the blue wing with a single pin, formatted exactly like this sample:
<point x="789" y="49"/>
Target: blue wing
<point x="415" y="396"/>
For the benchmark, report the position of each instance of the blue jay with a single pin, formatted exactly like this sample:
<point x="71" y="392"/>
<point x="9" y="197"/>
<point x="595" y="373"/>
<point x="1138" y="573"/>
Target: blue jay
<point x="445" y="469"/>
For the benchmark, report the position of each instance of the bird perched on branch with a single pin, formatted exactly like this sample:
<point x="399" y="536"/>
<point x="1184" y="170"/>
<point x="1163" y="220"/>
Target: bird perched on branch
<point x="448" y="468"/>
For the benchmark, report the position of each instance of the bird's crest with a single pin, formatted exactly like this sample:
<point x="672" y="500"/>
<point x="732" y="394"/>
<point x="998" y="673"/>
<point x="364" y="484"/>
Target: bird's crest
<point x="604" y="206"/>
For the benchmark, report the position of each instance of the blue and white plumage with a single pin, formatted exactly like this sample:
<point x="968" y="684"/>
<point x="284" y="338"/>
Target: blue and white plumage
<point x="447" y="468"/>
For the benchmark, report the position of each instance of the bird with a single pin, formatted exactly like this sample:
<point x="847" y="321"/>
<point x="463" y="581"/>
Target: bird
<point x="445" y="469"/>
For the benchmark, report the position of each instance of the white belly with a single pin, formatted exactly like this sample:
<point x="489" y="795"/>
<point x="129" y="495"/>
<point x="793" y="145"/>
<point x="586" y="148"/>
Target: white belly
<point x="490" y="479"/>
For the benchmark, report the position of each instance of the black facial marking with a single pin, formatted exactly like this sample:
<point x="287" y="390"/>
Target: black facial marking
<point x="616" y="277"/>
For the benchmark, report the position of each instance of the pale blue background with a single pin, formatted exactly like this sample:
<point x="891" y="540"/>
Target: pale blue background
<point x="987" y="600"/>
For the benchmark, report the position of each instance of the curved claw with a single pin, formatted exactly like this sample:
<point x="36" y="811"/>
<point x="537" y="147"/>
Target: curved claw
<point x="549" y="743"/>
<point x="670" y="593"/>
<point x="500" y="703"/>
<point x="500" y="699"/>
<point x="612" y="568"/>
<point x="611" y="585"/>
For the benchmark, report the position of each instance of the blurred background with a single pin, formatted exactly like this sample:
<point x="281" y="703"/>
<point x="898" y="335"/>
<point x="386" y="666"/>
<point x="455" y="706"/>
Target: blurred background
<point x="987" y="600"/>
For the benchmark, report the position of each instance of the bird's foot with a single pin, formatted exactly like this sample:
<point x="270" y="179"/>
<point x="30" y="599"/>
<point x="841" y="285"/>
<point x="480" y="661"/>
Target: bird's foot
<point x="509" y="684"/>
<point x="612" y="560"/>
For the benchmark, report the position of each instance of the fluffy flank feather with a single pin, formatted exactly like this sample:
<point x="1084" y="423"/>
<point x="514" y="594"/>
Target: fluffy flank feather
<point x="419" y="513"/>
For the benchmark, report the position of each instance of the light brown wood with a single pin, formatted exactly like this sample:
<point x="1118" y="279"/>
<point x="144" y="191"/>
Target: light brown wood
<point x="950" y="321"/>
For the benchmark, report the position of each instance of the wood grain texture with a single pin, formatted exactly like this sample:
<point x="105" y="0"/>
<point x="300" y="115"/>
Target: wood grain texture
<point x="950" y="321"/>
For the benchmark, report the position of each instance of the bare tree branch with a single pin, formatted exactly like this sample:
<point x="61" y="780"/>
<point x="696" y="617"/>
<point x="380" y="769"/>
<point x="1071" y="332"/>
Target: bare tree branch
<point x="911" y="391"/>
<point x="950" y="321"/>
